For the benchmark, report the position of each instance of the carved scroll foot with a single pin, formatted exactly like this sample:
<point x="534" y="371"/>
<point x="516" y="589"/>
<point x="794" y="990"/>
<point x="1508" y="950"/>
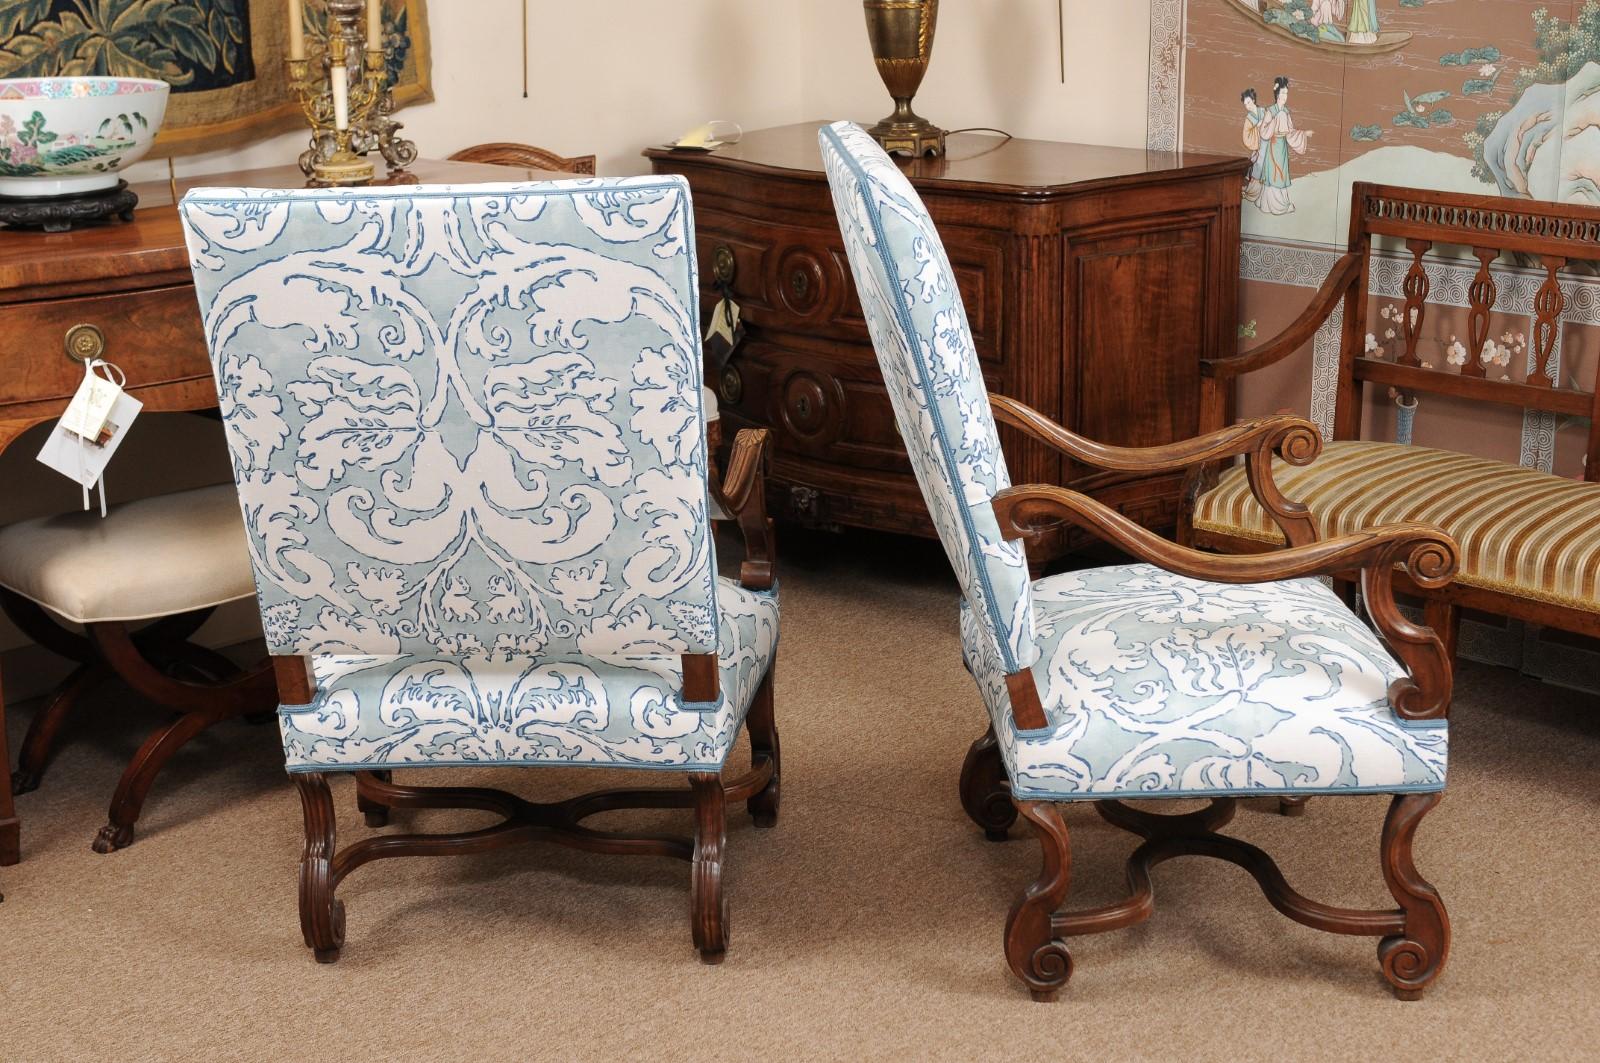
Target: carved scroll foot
<point x="113" y="836"/>
<point x="708" y="906"/>
<point x="1412" y="960"/>
<point x="762" y="727"/>
<point x="1293" y="807"/>
<point x="374" y="810"/>
<point x="985" y="790"/>
<point x="1036" y="954"/>
<point x="321" y="915"/>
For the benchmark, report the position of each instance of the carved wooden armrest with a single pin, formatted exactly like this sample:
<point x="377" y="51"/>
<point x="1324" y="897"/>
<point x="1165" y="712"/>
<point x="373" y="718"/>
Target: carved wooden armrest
<point x="1341" y="280"/>
<point x="1428" y="554"/>
<point x="1294" y="439"/>
<point x="742" y="494"/>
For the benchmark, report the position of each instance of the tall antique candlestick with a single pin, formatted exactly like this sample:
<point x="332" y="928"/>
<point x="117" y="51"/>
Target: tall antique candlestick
<point x="355" y="27"/>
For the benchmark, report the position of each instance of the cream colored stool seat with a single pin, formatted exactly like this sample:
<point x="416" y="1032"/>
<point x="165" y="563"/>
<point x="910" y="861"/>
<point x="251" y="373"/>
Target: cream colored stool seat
<point x="144" y="560"/>
<point x="168" y="560"/>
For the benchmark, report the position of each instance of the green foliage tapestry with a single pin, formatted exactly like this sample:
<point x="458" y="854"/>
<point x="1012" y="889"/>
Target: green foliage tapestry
<point x="223" y="58"/>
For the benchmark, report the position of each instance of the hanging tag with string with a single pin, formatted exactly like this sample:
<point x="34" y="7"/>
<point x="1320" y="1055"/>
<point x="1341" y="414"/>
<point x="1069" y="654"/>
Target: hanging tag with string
<point x="92" y="428"/>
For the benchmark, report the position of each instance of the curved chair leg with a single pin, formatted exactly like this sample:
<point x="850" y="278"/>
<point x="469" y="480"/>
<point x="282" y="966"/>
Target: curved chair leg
<point x="1035" y="953"/>
<point x="1412" y="960"/>
<point x="375" y="811"/>
<point x="321" y="915"/>
<point x="140" y="775"/>
<point x="708" y="907"/>
<point x="761" y="724"/>
<point x="1293" y="807"/>
<point x="985" y="790"/>
<point x="39" y="743"/>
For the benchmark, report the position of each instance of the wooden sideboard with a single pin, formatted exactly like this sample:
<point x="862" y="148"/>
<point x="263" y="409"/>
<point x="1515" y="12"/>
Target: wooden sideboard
<point x="130" y="280"/>
<point x="1096" y="279"/>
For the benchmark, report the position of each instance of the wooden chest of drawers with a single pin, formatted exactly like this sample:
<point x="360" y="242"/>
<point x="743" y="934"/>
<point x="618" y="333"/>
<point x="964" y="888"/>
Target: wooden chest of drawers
<point x="1096" y="280"/>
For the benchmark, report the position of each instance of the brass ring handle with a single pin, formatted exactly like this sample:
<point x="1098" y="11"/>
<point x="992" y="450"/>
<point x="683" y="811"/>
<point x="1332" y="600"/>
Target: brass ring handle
<point x="723" y="265"/>
<point x="85" y="343"/>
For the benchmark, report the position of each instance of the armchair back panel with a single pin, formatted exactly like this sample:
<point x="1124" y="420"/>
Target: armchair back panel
<point x="1550" y="236"/>
<point x="464" y="421"/>
<point x="924" y="346"/>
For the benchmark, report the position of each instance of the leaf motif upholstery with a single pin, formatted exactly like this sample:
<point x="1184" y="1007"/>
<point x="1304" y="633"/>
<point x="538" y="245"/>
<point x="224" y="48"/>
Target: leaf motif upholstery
<point x="466" y="425"/>
<point x="930" y="368"/>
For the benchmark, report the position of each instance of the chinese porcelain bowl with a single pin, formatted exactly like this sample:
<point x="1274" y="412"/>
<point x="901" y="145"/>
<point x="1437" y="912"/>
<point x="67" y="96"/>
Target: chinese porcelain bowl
<point x="70" y="135"/>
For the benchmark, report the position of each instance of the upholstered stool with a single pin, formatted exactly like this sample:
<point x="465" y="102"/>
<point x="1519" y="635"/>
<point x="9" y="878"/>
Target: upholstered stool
<point x="165" y="562"/>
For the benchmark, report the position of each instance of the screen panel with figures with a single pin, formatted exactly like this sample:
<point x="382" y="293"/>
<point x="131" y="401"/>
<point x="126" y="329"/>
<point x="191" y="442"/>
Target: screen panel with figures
<point x="1495" y="98"/>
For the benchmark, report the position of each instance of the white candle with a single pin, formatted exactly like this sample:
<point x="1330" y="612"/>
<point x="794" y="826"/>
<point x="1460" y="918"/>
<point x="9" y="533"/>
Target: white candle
<point x="340" y="77"/>
<point x="374" y="25"/>
<point x="297" y="30"/>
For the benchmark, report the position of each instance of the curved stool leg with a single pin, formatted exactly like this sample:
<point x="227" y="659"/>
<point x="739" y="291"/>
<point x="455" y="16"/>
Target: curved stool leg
<point x="761" y="724"/>
<point x="985" y="790"/>
<point x="1412" y="960"/>
<point x="321" y="915"/>
<point x="140" y="775"/>
<point x="39" y="743"/>
<point x="707" y="903"/>
<point x="1035" y="953"/>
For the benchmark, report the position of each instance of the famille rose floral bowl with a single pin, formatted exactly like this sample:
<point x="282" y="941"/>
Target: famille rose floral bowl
<point x="70" y="135"/>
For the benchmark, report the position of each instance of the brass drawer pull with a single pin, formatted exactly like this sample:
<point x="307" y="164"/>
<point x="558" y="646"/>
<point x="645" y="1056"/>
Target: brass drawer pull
<point x="85" y="343"/>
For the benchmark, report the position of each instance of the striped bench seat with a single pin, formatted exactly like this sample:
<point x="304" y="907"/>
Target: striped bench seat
<point x="1523" y="533"/>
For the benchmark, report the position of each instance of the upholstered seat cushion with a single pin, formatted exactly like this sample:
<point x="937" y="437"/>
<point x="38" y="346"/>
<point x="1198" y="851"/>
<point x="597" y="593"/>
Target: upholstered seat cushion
<point x="146" y="559"/>
<point x="1154" y="684"/>
<point x="1522" y="532"/>
<point x="382" y="712"/>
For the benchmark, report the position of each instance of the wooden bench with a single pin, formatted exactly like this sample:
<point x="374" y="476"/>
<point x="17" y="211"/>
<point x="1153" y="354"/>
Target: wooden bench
<point x="1530" y="540"/>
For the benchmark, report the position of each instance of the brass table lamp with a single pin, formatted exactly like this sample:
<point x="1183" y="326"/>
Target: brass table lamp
<point x="901" y="32"/>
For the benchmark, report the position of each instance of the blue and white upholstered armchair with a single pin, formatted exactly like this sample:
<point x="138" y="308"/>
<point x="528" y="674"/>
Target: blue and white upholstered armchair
<point x="467" y="432"/>
<point x="1188" y="676"/>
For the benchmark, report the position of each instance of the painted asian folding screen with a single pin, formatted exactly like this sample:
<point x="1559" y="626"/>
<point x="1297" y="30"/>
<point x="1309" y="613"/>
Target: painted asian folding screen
<point x="1493" y="97"/>
<point x="223" y="58"/>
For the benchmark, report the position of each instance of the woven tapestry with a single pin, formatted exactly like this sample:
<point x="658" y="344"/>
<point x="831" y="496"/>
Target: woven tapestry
<point x="223" y="58"/>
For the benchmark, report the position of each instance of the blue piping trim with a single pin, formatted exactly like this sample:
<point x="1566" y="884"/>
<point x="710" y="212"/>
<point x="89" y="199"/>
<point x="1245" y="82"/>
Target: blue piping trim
<point x="939" y="429"/>
<point x="1280" y="791"/>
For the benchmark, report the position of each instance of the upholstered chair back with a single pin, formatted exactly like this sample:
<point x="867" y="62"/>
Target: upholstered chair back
<point x="924" y="346"/>
<point x="464" y="421"/>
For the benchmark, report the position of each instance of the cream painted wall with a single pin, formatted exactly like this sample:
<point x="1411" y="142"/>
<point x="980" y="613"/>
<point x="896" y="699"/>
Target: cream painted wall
<point x="997" y="63"/>
<point x="612" y="76"/>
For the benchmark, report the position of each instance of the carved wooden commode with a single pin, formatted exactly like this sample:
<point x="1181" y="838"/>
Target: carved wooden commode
<point x="1096" y="281"/>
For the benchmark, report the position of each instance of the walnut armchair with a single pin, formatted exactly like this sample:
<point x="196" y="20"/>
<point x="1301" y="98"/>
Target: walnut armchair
<point x="1184" y="676"/>
<point x="501" y="153"/>
<point x="470" y="451"/>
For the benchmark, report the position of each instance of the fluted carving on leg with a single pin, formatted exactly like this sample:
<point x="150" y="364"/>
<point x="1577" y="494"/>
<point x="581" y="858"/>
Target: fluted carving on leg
<point x="985" y="790"/>
<point x="708" y="906"/>
<point x="1035" y="953"/>
<point x="1412" y="960"/>
<point x="321" y="915"/>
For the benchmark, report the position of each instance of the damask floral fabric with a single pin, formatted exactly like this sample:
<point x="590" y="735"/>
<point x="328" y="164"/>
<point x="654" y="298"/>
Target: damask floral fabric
<point x="1157" y="685"/>
<point x="930" y="366"/>
<point x="383" y="712"/>
<point x="464" y="421"/>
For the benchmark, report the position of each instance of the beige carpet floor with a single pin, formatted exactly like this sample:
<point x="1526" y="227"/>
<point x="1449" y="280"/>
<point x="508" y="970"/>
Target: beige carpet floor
<point x="867" y="925"/>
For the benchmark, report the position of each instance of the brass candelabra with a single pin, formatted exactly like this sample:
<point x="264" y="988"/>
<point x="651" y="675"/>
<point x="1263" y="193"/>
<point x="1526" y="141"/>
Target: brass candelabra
<point x="349" y="103"/>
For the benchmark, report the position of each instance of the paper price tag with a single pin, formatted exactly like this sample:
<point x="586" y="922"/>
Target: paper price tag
<point x="84" y="460"/>
<point x="91" y="406"/>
